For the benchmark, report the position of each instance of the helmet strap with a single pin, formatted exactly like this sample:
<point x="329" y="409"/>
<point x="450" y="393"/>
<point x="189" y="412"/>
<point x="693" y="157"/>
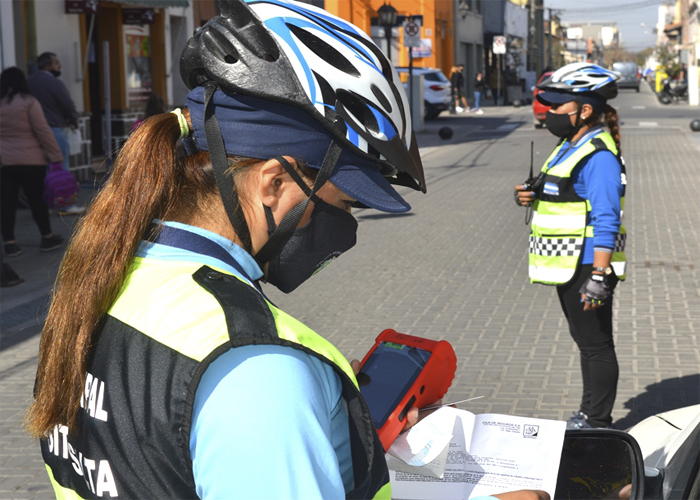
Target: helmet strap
<point x="219" y="162"/>
<point x="579" y="105"/>
<point x="280" y="234"/>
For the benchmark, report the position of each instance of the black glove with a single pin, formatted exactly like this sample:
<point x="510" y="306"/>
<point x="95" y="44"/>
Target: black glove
<point x="597" y="289"/>
<point x="517" y="198"/>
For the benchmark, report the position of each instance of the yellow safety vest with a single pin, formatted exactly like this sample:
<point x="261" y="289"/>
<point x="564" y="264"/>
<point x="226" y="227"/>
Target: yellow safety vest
<point x="559" y="222"/>
<point x="169" y="322"/>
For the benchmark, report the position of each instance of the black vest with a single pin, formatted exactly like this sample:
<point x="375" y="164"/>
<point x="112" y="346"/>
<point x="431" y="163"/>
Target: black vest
<point x="140" y="448"/>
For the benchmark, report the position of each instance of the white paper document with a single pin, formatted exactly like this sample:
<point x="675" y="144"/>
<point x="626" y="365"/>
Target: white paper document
<point x="488" y="454"/>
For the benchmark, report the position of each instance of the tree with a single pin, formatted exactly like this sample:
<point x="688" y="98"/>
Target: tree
<point x="668" y="59"/>
<point x="643" y="55"/>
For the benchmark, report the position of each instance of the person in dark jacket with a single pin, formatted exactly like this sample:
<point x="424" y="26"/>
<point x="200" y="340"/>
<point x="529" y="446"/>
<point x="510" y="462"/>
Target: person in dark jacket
<point x="58" y="107"/>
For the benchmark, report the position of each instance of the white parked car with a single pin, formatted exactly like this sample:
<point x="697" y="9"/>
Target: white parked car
<point x="656" y="459"/>
<point x="437" y="90"/>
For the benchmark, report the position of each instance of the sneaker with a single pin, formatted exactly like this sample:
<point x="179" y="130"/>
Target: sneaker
<point x="12" y="250"/>
<point x="578" y="421"/>
<point x="52" y="243"/>
<point x="468" y="110"/>
<point x="9" y="277"/>
<point x="459" y="110"/>
<point x="72" y="210"/>
<point x="479" y="112"/>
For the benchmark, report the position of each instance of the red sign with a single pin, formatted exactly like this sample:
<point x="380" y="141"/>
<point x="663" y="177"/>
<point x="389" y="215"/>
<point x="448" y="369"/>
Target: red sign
<point x="81" y="6"/>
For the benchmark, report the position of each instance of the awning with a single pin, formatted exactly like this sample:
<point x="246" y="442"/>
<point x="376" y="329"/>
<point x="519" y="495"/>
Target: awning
<point x="154" y="4"/>
<point x="671" y="27"/>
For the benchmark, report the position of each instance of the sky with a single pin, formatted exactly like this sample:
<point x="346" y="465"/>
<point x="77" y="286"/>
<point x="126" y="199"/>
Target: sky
<point x="635" y="19"/>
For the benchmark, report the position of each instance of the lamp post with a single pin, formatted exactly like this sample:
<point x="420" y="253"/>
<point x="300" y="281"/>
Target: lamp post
<point x="463" y="8"/>
<point x="387" y="18"/>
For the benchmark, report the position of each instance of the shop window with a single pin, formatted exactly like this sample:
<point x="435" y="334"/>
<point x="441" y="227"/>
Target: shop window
<point x="139" y="68"/>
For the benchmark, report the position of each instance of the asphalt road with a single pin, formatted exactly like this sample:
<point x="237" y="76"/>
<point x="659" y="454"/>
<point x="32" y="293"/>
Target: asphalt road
<point x="455" y="268"/>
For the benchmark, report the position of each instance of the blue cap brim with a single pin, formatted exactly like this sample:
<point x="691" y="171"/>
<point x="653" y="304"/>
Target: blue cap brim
<point x="257" y="128"/>
<point x="549" y="97"/>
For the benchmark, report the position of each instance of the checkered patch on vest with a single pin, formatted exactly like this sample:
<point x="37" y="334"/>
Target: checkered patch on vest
<point x="620" y="241"/>
<point x="556" y="247"/>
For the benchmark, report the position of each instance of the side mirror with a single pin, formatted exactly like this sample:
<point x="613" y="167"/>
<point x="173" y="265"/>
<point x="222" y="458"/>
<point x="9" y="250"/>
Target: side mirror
<point x="603" y="463"/>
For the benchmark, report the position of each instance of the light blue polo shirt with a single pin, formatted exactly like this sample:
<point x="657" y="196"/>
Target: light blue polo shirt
<point x="268" y="421"/>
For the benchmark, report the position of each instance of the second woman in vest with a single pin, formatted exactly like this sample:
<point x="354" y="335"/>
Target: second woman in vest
<point x="577" y="240"/>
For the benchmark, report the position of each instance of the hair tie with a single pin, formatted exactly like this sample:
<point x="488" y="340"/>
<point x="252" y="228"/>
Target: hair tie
<point x="182" y="121"/>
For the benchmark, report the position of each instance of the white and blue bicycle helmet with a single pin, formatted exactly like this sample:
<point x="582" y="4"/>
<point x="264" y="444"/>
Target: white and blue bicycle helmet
<point x="589" y="82"/>
<point x="272" y="77"/>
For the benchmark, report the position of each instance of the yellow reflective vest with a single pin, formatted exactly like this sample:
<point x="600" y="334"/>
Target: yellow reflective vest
<point x="559" y="222"/>
<point x="169" y="322"/>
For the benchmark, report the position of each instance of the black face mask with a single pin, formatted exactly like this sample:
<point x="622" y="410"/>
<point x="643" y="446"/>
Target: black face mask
<point x="330" y="232"/>
<point x="55" y="73"/>
<point x="560" y="124"/>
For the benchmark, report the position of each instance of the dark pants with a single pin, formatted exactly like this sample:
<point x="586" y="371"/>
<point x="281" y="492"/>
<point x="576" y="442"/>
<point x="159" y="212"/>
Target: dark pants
<point x="31" y="179"/>
<point x="593" y="333"/>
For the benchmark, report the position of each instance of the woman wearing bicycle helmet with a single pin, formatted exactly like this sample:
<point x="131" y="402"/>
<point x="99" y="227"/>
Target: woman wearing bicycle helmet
<point x="577" y="241"/>
<point x="164" y="371"/>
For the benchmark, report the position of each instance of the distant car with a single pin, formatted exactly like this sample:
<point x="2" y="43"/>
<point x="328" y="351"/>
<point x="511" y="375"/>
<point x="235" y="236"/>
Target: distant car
<point x="629" y="75"/>
<point x="539" y="110"/>
<point x="437" y="89"/>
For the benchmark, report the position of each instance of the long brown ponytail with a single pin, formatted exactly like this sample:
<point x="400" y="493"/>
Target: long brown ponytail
<point x="613" y="121"/>
<point x="149" y="180"/>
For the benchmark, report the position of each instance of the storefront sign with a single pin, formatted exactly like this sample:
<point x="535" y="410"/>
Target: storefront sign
<point x="425" y="49"/>
<point x="138" y="16"/>
<point x="81" y="6"/>
<point x="499" y="45"/>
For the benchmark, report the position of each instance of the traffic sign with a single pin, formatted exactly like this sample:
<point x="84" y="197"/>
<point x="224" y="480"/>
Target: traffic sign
<point x="499" y="45"/>
<point x="411" y="34"/>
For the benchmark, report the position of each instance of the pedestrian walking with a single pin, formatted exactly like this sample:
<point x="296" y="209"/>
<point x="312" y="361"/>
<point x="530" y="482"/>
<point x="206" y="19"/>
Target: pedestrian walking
<point x="480" y="89"/>
<point x="58" y="107"/>
<point x="577" y="241"/>
<point x="162" y="363"/>
<point x="457" y="82"/>
<point x="26" y="147"/>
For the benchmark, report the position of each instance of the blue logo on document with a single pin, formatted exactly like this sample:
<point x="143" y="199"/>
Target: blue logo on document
<point x="551" y="188"/>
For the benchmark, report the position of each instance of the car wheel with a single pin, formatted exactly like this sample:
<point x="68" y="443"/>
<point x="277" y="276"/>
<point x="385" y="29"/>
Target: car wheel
<point x="430" y="111"/>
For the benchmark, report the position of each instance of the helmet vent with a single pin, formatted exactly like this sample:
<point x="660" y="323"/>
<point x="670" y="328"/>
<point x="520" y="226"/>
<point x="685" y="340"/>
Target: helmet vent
<point x="220" y="47"/>
<point x="327" y="92"/>
<point x="324" y="50"/>
<point x="359" y="109"/>
<point x="381" y="97"/>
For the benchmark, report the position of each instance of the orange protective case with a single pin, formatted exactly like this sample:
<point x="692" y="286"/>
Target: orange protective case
<point x="432" y="382"/>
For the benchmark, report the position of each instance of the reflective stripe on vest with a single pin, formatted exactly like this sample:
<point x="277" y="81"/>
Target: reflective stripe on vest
<point x="559" y="219"/>
<point x="169" y="322"/>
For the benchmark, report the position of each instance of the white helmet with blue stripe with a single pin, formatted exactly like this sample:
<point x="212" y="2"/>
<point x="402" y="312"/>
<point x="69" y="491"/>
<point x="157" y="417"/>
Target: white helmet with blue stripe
<point x="298" y="54"/>
<point x="583" y="77"/>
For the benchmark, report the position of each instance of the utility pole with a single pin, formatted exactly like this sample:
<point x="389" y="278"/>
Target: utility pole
<point x="539" y="31"/>
<point x="549" y="46"/>
<point x="531" y="37"/>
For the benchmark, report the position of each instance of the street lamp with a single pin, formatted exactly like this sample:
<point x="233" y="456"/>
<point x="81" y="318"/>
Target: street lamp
<point x="463" y="8"/>
<point x="387" y="18"/>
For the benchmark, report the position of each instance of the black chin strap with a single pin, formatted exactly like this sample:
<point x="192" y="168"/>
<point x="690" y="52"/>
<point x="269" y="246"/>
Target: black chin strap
<point x="290" y="221"/>
<point x="579" y="105"/>
<point x="219" y="162"/>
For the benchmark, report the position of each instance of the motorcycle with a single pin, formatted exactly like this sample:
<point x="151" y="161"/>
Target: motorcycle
<point x="671" y="94"/>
